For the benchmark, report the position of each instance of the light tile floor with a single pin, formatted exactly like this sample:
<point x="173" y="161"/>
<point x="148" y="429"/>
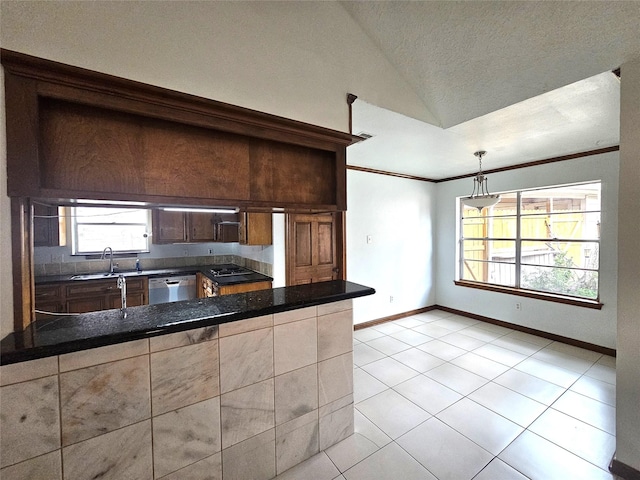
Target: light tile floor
<point x="441" y="396"/>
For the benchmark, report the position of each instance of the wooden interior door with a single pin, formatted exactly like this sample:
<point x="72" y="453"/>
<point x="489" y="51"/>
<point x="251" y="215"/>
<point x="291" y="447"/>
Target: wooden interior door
<point x="312" y="248"/>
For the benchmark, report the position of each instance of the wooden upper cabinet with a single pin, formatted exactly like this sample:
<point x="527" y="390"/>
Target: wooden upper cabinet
<point x="201" y="227"/>
<point x="46" y="229"/>
<point x="168" y="227"/>
<point x="256" y="228"/>
<point x="191" y="227"/>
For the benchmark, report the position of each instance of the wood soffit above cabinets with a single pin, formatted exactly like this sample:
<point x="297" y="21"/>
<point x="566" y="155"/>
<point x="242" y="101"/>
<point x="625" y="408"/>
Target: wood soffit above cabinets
<point x="76" y="133"/>
<point x="152" y="100"/>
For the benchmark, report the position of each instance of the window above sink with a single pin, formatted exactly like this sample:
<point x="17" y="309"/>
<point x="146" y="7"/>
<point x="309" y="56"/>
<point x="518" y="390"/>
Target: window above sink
<point x="125" y="230"/>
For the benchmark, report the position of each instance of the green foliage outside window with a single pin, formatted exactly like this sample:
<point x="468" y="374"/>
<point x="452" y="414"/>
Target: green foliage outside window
<point x="562" y="278"/>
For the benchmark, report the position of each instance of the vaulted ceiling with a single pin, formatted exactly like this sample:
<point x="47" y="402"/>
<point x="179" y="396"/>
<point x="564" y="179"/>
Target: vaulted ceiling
<point x="522" y="80"/>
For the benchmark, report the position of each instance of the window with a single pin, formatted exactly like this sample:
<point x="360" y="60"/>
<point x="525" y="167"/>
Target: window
<point x="544" y="240"/>
<point x="122" y="229"/>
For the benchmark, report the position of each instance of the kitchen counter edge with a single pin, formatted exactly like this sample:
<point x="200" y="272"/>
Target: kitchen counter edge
<point x="204" y="269"/>
<point x="97" y="329"/>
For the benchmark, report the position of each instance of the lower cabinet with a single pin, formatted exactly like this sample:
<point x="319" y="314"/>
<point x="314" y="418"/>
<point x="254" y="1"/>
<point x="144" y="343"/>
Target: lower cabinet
<point x="206" y="287"/>
<point x="49" y="298"/>
<point x="134" y="299"/>
<point x="244" y="287"/>
<point x="89" y="296"/>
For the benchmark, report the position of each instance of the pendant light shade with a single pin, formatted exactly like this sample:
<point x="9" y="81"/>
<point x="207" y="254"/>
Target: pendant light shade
<point x="480" y="197"/>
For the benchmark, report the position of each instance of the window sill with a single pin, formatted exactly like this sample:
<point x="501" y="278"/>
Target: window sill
<point x="98" y="256"/>
<point x="578" y="302"/>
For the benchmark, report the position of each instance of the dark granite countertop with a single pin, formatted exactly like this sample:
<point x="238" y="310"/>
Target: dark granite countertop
<point x="191" y="270"/>
<point x="72" y="333"/>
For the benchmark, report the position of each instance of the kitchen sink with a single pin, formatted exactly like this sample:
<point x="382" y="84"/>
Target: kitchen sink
<point x="98" y="276"/>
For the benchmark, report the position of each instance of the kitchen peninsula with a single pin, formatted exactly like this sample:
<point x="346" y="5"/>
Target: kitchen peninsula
<point x="242" y="386"/>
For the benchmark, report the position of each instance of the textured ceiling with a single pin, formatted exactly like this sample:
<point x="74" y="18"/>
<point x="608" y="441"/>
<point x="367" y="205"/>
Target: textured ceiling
<point x="578" y="117"/>
<point x="524" y="81"/>
<point x="466" y="59"/>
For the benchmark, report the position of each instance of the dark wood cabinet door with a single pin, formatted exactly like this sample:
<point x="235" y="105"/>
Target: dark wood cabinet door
<point x="87" y="304"/>
<point x="169" y="227"/>
<point x="205" y="286"/>
<point x="48" y="294"/>
<point x="48" y="298"/>
<point x="45" y="226"/>
<point x="244" y="287"/>
<point x="228" y="232"/>
<point x="201" y="227"/>
<point x="134" y="299"/>
<point x="256" y="229"/>
<point x="51" y="307"/>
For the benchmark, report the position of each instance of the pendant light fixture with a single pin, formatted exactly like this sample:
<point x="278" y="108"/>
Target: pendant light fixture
<point x="480" y="197"/>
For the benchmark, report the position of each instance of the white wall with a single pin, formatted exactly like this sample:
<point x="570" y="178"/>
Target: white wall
<point x="293" y="59"/>
<point x="399" y="261"/>
<point x="628" y="358"/>
<point x="279" y="255"/>
<point x="589" y="325"/>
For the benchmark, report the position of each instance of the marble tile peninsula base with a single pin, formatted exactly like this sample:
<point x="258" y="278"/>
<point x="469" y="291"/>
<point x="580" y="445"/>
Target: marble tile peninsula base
<point x="125" y="414"/>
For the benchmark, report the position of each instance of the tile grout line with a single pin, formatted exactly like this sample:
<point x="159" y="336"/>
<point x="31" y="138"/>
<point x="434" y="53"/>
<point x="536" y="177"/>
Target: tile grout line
<point x="60" y="414"/>
<point x="510" y="367"/>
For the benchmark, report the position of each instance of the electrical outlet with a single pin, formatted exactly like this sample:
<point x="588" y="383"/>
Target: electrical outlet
<point x="369" y="239"/>
<point x="185" y="252"/>
<point x="518" y="306"/>
<point x="390" y="298"/>
<point x="210" y="251"/>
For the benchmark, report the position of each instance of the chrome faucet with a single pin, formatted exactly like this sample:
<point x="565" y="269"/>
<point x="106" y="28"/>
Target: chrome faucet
<point x="104" y="255"/>
<point x="122" y="285"/>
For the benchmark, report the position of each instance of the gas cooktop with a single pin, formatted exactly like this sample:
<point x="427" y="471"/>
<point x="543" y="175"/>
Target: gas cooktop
<point x="227" y="270"/>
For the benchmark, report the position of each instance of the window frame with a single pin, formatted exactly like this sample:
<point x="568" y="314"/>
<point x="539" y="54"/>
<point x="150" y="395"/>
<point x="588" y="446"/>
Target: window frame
<point x="74" y="232"/>
<point x="519" y="240"/>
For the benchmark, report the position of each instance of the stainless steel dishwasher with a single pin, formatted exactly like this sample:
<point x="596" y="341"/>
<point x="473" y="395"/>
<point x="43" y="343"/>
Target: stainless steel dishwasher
<point x="172" y="289"/>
